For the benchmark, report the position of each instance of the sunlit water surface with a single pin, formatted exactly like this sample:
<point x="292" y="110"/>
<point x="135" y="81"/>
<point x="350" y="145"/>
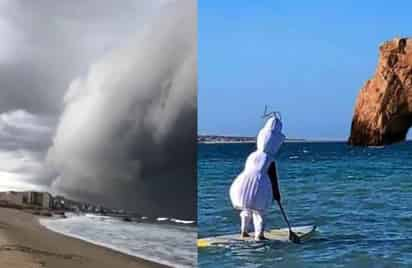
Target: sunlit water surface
<point x="361" y="199"/>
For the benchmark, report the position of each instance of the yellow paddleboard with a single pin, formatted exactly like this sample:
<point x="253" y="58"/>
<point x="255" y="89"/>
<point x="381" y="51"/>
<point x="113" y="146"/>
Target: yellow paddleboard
<point x="304" y="233"/>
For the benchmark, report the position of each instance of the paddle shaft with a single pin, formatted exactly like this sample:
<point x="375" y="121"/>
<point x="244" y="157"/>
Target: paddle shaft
<point x="292" y="236"/>
<point x="276" y="193"/>
<point x="284" y="215"/>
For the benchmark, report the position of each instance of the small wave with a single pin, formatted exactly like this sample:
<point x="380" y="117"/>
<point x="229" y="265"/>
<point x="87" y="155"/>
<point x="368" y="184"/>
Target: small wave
<point x="97" y="217"/>
<point x="71" y="214"/>
<point x="116" y="236"/>
<point x="376" y="147"/>
<point x="144" y="218"/>
<point x="305" y="151"/>
<point x="182" y="221"/>
<point x="293" y="157"/>
<point x="162" y="219"/>
<point x="107" y="245"/>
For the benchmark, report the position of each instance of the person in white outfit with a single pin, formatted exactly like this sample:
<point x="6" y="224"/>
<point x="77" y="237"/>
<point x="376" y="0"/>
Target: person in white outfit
<point x="254" y="188"/>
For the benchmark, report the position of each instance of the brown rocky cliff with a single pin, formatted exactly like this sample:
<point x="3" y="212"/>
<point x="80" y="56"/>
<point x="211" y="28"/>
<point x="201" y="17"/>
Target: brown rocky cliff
<point x="383" y="110"/>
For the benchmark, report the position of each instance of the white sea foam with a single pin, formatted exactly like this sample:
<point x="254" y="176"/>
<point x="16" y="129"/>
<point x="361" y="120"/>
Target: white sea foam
<point x="172" y="245"/>
<point x="182" y="221"/>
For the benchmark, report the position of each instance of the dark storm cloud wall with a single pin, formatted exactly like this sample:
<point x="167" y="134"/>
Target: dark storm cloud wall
<point x="126" y="129"/>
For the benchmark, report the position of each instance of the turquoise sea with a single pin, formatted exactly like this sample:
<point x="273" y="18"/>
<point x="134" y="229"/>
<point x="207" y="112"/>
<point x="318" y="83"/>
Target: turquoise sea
<point x="361" y="199"/>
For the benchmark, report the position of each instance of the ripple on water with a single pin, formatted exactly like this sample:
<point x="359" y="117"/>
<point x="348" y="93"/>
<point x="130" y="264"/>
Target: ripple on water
<point x="359" y="197"/>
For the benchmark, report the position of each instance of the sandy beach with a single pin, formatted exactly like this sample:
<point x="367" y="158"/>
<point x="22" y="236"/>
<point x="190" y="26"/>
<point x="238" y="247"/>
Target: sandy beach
<point x="25" y="243"/>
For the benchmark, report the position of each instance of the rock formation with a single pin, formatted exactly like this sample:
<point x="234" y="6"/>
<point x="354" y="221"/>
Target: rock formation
<point x="383" y="111"/>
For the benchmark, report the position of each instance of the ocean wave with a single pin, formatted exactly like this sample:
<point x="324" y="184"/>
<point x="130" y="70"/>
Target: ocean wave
<point x="97" y="216"/>
<point x="131" y="239"/>
<point x="182" y="221"/>
<point x="147" y="219"/>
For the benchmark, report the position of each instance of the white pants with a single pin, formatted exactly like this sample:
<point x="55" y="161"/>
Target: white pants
<point x="247" y="215"/>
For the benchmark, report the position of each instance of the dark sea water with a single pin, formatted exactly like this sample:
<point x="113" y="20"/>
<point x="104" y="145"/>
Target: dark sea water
<point x="361" y="199"/>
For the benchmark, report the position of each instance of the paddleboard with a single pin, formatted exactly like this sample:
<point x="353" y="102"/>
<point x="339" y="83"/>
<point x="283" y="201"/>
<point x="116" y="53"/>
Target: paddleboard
<point x="304" y="233"/>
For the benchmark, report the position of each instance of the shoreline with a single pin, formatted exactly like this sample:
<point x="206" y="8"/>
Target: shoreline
<point x="24" y="242"/>
<point x="107" y="246"/>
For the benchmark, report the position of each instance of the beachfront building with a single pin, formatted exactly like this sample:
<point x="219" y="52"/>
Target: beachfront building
<point x="40" y="199"/>
<point x="12" y="197"/>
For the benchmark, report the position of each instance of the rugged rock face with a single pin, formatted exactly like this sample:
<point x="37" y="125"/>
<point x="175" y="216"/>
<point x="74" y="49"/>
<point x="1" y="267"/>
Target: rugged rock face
<point x="383" y="111"/>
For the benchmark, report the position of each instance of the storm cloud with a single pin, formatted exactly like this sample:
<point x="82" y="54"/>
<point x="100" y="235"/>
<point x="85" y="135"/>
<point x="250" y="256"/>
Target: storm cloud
<point x="103" y="106"/>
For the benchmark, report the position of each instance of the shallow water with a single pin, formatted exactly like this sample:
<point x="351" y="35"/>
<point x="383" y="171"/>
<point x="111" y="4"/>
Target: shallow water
<point x="169" y="244"/>
<point x="361" y="199"/>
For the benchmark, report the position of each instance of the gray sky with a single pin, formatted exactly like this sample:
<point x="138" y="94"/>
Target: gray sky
<point x="98" y="101"/>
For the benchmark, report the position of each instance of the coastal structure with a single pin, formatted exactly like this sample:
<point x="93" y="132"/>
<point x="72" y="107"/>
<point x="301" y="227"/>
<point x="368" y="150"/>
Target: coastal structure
<point x="44" y="200"/>
<point x="383" y="110"/>
<point x="17" y="198"/>
<point x="39" y="199"/>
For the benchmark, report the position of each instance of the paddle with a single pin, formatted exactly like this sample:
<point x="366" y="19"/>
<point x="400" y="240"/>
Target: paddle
<point x="276" y="195"/>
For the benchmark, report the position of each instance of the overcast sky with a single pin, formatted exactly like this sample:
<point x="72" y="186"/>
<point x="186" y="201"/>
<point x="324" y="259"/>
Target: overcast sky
<point x="98" y="101"/>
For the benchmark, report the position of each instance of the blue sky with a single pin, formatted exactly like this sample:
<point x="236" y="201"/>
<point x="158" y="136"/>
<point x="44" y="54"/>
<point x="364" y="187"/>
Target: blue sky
<point x="308" y="59"/>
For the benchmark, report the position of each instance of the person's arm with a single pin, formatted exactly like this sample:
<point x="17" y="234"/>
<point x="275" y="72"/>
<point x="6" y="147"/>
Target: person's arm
<point x="274" y="180"/>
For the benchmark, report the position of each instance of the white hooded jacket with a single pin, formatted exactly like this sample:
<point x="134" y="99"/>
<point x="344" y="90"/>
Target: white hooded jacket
<point x="252" y="188"/>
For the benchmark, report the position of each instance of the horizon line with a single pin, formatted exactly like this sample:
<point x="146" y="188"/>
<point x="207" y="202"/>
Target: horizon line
<point x="287" y="138"/>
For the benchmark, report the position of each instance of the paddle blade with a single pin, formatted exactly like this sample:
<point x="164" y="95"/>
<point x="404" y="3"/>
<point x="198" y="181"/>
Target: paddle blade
<point x="294" y="237"/>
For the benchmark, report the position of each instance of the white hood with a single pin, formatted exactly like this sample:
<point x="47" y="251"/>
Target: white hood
<point x="270" y="137"/>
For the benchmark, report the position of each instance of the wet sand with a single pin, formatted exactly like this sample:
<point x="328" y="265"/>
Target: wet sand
<point x="25" y="243"/>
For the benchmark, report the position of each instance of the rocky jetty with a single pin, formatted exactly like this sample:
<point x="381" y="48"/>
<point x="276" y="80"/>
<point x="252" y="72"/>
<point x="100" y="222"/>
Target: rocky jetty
<point x="383" y="110"/>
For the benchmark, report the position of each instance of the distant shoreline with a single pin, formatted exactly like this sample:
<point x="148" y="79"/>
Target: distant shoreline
<point x="287" y="141"/>
<point x="220" y="139"/>
<point x="223" y="142"/>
